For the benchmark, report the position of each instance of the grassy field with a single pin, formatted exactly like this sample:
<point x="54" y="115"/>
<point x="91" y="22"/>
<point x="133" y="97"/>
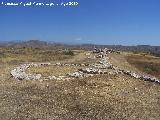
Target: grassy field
<point x="146" y="63"/>
<point x="101" y="97"/>
<point x="52" y="70"/>
<point x="120" y="61"/>
<point x="21" y="55"/>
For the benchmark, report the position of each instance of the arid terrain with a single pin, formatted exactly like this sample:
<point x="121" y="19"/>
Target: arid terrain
<point x="106" y="96"/>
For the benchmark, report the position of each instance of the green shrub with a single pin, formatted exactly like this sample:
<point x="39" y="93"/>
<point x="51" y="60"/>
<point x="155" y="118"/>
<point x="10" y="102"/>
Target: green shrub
<point x="69" y="52"/>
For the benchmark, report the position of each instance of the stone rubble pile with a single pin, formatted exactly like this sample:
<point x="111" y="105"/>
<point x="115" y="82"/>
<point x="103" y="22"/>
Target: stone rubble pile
<point x="19" y="72"/>
<point x="76" y="74"/>
<point x="67" y="64"/>
<point x="142" y="77"/>
<point x="105" y="50"/>
<point x="90" y="70"/>
<point x="69" y="76"/>
<point x="86" y="72"/>
<point x="57" y="78"/>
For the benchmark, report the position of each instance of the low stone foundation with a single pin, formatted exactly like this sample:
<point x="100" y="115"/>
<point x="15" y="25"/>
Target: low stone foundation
<point x="90" y="70"/>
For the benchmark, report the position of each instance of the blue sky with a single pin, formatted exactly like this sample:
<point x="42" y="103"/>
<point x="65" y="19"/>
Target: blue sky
<point x="125" y="22"/>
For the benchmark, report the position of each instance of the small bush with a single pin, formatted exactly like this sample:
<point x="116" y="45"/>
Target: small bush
<point x="151" y="68"/>
<point x="69" y="52"/>
<point x="146" y="64"/>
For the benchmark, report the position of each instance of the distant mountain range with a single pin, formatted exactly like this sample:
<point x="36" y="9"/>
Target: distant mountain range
<point x="19" y="44"/>
<point x="43" y="44"/>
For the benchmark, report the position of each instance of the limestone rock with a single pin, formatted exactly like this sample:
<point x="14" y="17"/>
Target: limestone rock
<point x="75" y="74"/>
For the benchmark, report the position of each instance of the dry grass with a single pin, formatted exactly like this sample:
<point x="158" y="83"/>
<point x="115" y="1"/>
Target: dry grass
<point x="81" y="57"/>
<point x="101" y="97"/>
<point x="21" y="55"/>
<point x="52" y="70"/>
<point x="98" y="97"/>
<point x="120" y="61"/>
<point x="148" y="64"/>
